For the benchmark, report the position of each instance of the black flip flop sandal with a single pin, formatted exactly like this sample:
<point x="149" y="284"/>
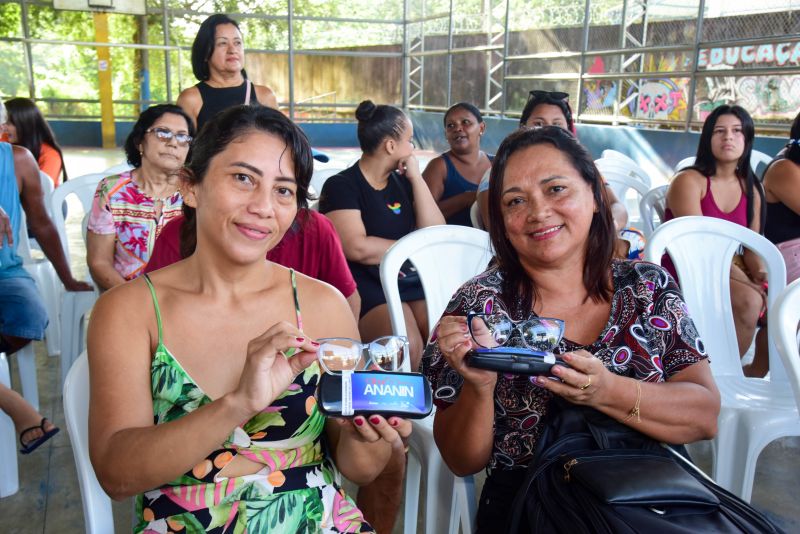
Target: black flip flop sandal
<point x="31" y="446"/>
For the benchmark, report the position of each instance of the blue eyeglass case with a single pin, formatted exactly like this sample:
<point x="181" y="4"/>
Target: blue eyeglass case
<point x="514" y="360"/>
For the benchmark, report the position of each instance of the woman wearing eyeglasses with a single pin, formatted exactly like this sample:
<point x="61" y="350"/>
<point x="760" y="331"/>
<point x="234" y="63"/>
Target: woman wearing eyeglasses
<point x="203" y="374"/>
<point x="629" y="347"/>
<point x="453" y="177"/>
<point x="130" y="209"/>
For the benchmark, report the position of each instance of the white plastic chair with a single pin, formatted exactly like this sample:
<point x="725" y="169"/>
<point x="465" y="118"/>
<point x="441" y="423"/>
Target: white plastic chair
<point x="623" y="166"/>
<point x="467" y="252"/>
<point x="616" y="154"/>
<point x="475" y="216"/>
<point x="754" y="411"/>
<point x="757" y="158"/>
<point x="117" y="169"/>
<point x="9" y="470"/>
<point x="684" y="163"/>
<point x="75" y="305"/>
<point x="97" y="510"/>
<point x="652" y="207"/>
<point x="320" y="176"/>
<point x="620" y="183"/>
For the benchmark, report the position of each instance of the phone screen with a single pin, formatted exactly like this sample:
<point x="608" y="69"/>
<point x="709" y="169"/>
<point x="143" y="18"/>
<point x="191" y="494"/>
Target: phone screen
<point x="388" y="392"/>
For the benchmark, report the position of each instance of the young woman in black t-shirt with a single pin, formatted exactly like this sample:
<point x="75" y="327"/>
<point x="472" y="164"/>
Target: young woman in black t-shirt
<point x="378" y="200"/>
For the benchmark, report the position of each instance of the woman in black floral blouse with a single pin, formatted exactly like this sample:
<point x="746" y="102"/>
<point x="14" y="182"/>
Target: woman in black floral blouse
<point x="631" y="349"/>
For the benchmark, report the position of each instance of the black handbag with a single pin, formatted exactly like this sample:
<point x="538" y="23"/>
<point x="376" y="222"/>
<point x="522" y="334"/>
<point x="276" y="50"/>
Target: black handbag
<point x="592" y="474"/>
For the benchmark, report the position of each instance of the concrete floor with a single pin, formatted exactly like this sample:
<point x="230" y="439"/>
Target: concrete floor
<point x="49" y="498"/>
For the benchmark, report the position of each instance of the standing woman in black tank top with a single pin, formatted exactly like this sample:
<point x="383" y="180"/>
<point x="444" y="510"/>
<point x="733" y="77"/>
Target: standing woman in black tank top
<point x="218" y="64"/>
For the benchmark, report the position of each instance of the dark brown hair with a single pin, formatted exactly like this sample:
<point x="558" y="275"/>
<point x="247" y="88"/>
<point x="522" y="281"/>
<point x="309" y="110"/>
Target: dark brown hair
<point x="225" y="128"/>
<point x="599" y="245"/>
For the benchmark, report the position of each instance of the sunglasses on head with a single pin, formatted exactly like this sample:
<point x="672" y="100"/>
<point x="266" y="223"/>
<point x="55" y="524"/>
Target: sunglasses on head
<point x="552" y="95"/>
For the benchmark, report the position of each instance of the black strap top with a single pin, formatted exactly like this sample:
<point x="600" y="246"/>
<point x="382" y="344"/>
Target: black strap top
<point x="216" y="99"/>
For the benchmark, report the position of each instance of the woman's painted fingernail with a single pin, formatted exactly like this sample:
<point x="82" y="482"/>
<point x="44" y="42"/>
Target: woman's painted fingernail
<point x="300" y="339"/>
<point x="541" y="380"/>
<point x="374" y="419"/>
<point x="315" y="343"/>
<point x="359" y="421"/>
<point x="394" y="422"/>
<point x="464" y="327"/>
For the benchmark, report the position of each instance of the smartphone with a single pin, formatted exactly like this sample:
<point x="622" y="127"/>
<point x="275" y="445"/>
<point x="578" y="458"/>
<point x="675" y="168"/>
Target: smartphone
<point x="518" y="361"/>
<point x="406" y="395"/>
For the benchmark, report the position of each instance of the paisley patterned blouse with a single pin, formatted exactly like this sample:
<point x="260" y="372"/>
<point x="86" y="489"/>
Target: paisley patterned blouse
<point x="298" y="490"/>
<point x="649" y="336"/>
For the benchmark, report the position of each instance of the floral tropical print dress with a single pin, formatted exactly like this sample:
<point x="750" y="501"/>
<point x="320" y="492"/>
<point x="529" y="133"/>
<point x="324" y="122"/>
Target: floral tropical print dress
<point x="298" y="489"/>
<point x="121" y="208"/>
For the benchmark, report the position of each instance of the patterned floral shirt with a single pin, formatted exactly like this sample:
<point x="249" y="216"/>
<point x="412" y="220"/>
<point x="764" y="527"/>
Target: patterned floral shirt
<point x="121" y="208"/>
<point x="649" y="336"/>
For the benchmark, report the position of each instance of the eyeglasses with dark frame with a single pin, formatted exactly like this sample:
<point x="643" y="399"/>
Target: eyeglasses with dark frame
<point x="492" y="330"/>
<point x="165" y="134"/>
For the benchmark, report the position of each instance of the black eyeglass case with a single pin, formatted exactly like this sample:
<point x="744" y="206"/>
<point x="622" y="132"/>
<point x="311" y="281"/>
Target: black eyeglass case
<point x="513" y="360"/>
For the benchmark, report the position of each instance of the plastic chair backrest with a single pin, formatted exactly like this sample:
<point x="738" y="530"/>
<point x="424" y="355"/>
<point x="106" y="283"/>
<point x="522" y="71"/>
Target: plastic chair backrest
<point x="653" y="204"/>
<point x="117" y="169"/>
<point x="445" y="257"/>
<point x="620" y="182"/>
<point x="616" y="154"/>
<point x="758" y="158"/>
<point x="47" y="189"/>
<point x="97" y="510"/>
<point x="320" y="176"/>
<point x="783" y="321"/>
<point x="702" y="249"/>
<point x="84" y="188"/>
<point x="685" y="162"/>
<point x="475" y="216"/>
<point x="623" y="167"/>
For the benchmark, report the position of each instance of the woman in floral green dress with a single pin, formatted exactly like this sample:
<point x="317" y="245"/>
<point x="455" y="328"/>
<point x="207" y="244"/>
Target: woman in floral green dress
<point x="203" y="374"/>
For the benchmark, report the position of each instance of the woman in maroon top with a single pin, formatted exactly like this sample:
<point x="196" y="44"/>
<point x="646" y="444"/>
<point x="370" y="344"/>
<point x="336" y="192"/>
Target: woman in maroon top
<point x="630" y="348"/>
<point x="311" y="246"/>
<point x="720" y="184"/>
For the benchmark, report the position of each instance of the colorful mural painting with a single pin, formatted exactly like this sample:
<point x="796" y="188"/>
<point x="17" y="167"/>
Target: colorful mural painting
<point x="768" y="98"/>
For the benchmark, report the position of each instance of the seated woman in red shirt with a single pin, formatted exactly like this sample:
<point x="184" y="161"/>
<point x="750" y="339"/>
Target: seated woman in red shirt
<point x="311" y="246"/>
<point x="25" y="126"/>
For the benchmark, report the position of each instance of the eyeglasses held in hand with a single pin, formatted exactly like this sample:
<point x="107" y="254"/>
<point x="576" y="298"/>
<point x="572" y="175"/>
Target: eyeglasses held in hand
<point x="492" y="330"/>
<point x="165" y="134"/>
<point x="337" y="354"/>
<point x="550" y="95"/>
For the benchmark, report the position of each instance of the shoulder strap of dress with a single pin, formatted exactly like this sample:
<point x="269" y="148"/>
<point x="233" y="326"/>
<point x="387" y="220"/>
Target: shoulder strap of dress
<point x="247" y="92"/>
<point x="296" y="300"/>
<point x="155" y="305"/>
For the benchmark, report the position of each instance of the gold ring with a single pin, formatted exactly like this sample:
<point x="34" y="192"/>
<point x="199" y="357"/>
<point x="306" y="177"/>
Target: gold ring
<point x="586" y="385"/>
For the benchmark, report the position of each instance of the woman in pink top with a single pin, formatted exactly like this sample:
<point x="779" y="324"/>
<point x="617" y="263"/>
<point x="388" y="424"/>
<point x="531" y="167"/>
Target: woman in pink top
<point x="720" y="184"/>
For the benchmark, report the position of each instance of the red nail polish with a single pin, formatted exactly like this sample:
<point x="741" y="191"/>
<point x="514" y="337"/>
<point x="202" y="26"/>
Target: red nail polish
<point x="300" y="339"/>
<point x="358" y="421"/>
<point x="394" y="422"/>
<point x="374" y="420"/>
<point x="315" y="343"/>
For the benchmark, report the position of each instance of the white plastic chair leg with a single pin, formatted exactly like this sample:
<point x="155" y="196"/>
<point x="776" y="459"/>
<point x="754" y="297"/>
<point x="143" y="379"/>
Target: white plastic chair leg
<point x="75" y="305"/>
<point x="26" y="359"/>
<point x="9" y="471"/>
